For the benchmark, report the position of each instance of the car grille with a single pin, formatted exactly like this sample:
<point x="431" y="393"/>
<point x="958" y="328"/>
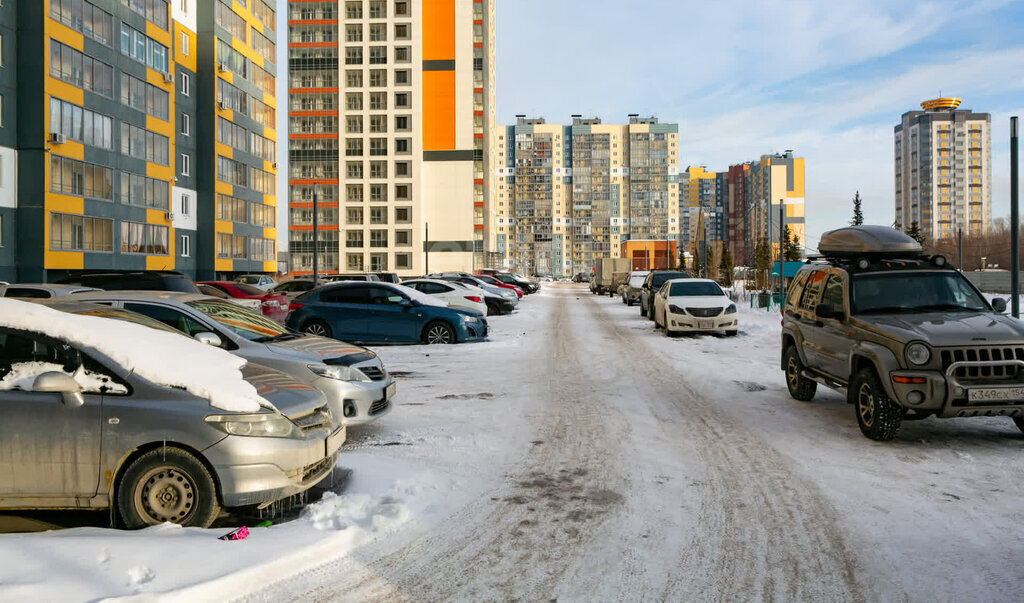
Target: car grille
<point x="373" y="372"/>
<point x="320" y="417"/>
<point x="704" y="312"/>
<point x="379" y="406"/>
<point x="983" y="354"/>
<point x="315" y="470"/>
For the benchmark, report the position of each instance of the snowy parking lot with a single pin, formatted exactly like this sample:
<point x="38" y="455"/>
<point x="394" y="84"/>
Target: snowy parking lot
<point x="579" y="454"/>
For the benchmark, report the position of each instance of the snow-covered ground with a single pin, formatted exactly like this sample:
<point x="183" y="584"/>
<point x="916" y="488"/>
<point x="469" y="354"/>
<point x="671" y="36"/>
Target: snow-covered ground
<point x="582" y="455"/>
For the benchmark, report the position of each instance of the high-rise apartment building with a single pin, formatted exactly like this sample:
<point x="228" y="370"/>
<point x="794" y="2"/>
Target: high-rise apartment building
<point x="142" y="137"/>
<point x="761" y="195"/>
<point x="702" y="206"/>
<point x="391" y="117"/>
<point x="565" y="196"/>
<point x="943" y="170"/>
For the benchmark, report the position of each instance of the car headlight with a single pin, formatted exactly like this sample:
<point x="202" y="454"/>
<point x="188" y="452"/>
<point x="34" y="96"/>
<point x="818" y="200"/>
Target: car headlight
<point x="676" y="309"/>
<point x="917" y="353"/>
<point x="266" y="424"/>
<point x="731" y="309"/>
<point x="337" y="371"/>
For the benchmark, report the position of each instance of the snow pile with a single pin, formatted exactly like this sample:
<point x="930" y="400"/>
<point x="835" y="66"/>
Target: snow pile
<point x="161" y="357"/>
<point x="363" y="511"/>
<point x="23" y="375"/>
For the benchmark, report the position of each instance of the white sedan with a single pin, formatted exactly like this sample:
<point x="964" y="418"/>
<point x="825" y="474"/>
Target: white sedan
<point x="687" y="305"/>
<point x="455" y="295"/>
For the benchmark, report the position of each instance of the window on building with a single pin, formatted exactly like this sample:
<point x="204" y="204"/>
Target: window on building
<point x="378" y="9"/>
<point x="354" y="215"/>
<point x="378" y="123"/>
<point x="354" y="169"/>
<point x="378" y="215"/>
<point x="354" y="147"/>
<point x="80" y="233"/>
<point x="184" y="43"/>
<point x="354" y="262"/>
<point x="378" y="101"/>
<point x="403" y="238"/>
<point x="354" y="78"/>
<point x="186" y="165"/>
<point x="402" y="31"/>
<point x="354" y="124"/>
<point x="378" y="79"/>
<point x="353" y="55"/>
<point x="185" y="246"/>
<point x="403" y="215"/>
<point x="354" y="192"/>
<point x="353" y="238"/>
<point x="378" y="192"/>
<point x="378" y="32"/>
<point x="378" y="262"/>
<point x="149" y="239"/>
<point x="403" y="261"/>
<point x="403" y="146"/>
<point x="186" y="207"/>
<point x="401" y="100"/>
<point x="402" y="77"/>
<point x="354" y="32"/>
<point x="186" y="126"/>
<point x="401" y="8"/>
<point x="74" y="177"/>
<point x="379" y="169"/>
<point x="402" y="123"/>
<point x="402" y="192"/>
<point x="403" y="168"/>
<point x="354" y="9"/>
<point x="378" y="55"/>
<point x="378" y="238"/>
<point x="186" y="84"/>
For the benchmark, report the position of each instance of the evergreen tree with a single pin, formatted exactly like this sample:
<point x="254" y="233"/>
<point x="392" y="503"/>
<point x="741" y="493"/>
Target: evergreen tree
<point x="761" y="263"/>
<point x="725" y="267"/>
<point x="914" y="232"/>
<point x="858" y="214"/>
<point x="791" y="249"/>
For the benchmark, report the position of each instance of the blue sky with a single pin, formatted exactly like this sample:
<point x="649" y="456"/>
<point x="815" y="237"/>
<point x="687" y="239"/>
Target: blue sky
<point x="826" y="79"/>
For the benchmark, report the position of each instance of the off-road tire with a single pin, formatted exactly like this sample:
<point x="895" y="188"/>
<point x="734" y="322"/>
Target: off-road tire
<point x="439" y="331"/>
<point x="879" y="417"/>
<point x="800" y="387"/>
<point x="317" y="327"/>
<point x="167" y="484"/>
<point x="1019" y="421"/>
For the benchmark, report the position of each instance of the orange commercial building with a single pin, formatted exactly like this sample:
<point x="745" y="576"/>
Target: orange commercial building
<point x="650" y="254"/>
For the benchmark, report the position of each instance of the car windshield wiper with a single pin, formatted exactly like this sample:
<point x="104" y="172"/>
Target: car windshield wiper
<point x="947" y="307"/>
<point x="281" y="337"/>
<point x="887" y="310"/>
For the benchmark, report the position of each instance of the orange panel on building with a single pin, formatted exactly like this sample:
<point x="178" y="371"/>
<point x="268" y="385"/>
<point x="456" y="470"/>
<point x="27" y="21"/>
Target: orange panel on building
<point x="438" y="110"/>
<point x="650" y="255"/>
<point x="439" y="30"/>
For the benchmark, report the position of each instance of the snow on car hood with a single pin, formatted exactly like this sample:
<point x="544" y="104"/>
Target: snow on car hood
<point x="163" y="358"/>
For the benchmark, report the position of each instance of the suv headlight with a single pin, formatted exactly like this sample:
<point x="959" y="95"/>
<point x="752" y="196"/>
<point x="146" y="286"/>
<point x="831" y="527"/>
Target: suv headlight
<point x="917" y="353"/>
<point x="267" y="424"/>
<point x="337" y="371"/>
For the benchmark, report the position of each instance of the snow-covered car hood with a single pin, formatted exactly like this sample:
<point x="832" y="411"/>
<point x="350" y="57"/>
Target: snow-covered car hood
<point x="700" y="301"/>
<point x="943" y="329"/>
<point x="312" y="347"/>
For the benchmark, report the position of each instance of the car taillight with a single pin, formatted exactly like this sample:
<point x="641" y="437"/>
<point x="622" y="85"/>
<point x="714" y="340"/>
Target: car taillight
<point x="294" y="306"/>
<point x="474" y="298"/>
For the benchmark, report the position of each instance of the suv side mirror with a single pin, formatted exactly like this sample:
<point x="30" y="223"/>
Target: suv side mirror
<point x="62" y="383"/>
<point x="999" y="305"/>
<point x="828" y="311"/>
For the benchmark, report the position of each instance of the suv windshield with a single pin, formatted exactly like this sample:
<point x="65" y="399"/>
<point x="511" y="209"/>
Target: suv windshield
<point x="909" y="291"/>
<point x="244" y="322"/>
<point x="680" y="289"/>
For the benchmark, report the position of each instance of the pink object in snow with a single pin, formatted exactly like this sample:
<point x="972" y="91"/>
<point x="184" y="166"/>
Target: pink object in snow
<point x="238" y="534"/>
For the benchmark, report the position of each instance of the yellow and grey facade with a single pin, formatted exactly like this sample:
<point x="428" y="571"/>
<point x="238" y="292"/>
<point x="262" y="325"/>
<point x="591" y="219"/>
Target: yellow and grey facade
<point x="566" y="196"/>
<point x="116" y="154"/>
<point x="944" y="170"/>
<point x="401" y="132"/>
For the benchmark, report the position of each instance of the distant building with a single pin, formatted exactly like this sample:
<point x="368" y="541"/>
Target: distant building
<point x="565" y="196"/>
<point x="137" y="135"/>
<point x="391" y="117"/>
<point x="943" y="169"/>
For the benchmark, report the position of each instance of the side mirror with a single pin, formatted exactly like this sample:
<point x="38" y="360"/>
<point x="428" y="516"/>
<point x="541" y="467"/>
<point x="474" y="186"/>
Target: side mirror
<point x="208" y="338"/>
<point x="828" y="311"/>
<point x="999" y="305"/>
<point x="407" y="303"/>
<point x="68" y="388"/>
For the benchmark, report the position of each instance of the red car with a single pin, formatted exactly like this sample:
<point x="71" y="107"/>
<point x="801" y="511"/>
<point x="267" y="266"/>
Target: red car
<point x="490" y="280"/>
<point x="273" y="303"/>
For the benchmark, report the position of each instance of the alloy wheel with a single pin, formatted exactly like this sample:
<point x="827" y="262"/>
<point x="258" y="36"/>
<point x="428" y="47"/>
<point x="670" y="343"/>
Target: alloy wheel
<point x="866" y="404"/>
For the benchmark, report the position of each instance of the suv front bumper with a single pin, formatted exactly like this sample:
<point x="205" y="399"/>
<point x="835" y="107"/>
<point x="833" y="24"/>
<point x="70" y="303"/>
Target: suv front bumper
<point x="949" y="396"/>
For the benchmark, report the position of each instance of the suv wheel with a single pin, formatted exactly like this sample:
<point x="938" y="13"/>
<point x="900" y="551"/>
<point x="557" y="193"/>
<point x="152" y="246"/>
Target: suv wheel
<point x="800" y="387"/>
<point x="878" y="416"/>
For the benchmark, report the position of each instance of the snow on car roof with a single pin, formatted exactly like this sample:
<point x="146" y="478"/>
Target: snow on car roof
<point x="167" y="359"/>
<point x="423" y="298"/>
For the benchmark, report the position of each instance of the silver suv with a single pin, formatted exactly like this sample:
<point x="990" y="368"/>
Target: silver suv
<point x="903" y="335"/>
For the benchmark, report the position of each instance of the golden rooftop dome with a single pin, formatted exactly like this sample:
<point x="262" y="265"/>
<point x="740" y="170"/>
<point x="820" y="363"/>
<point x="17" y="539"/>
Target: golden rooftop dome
<point x="941" y="104"/>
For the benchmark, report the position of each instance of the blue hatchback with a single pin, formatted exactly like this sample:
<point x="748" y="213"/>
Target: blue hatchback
<point x="382" y="313"/>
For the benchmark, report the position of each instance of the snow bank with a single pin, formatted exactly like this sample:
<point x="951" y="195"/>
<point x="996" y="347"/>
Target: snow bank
<point x="163" y="358"/>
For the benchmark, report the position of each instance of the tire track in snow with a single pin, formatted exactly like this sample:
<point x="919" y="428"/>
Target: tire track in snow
<point x="765" y="532"/>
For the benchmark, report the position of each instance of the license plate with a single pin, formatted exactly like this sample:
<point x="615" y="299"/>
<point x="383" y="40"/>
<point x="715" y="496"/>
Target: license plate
<point x="334" y="441"/>
<point x="993" y="394"/>
<point x="390" y="391"/>
<point x="705" y="324"/>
